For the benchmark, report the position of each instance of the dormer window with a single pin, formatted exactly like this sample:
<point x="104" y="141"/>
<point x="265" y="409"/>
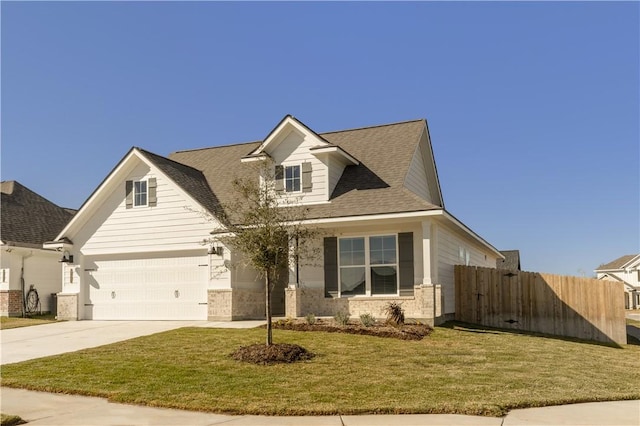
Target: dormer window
<point x="140" y="193"/>
<point x="292" y="179"/>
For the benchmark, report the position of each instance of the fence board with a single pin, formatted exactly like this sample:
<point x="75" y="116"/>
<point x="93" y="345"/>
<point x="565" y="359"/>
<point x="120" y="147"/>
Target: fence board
<point x="553" y="304"/>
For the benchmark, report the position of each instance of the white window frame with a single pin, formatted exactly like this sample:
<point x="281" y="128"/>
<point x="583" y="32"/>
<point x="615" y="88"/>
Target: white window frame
<point x="285" y="180"/>
<point x="367" y="266"/>
<point x="136" y="192"/>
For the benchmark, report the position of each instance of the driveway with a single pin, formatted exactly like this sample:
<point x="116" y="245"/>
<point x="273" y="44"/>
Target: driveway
<point x="24" y="343"/>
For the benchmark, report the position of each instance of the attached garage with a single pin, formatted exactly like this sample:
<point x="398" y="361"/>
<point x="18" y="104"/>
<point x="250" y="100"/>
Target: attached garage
<point x="147" y="288"/>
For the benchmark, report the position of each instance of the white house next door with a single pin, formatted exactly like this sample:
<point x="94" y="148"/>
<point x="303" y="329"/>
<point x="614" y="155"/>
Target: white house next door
<point x="153" y="288"/>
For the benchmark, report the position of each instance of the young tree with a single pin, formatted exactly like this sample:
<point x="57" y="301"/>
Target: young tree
<point x="267" y="229"/>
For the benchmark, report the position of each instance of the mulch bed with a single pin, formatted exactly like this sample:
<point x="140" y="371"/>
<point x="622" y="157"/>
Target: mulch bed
<point x="407" y="331"/>
<point x="273" y="354"/>
<point x="287" y="353"/>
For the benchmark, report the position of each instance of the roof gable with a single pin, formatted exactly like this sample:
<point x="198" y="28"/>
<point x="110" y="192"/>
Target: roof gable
<point x="28" y="218"/>
<point x="621" y="263"/>
<point x="288" y="125"/>
<point x="375" y="185"/>
<point x="190" y="180"/>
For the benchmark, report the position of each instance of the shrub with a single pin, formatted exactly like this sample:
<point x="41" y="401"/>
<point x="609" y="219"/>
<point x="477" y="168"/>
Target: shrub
<point x="395" y="313"/>
<point x="367" y="320"/>
<point x="311" y="319"/>
<point x="342" y="318"/>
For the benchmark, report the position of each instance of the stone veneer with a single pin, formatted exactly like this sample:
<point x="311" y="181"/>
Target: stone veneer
<point x="67" y="307"/>
<point x="425" y="305"/>
<point x="235" y="304"/>
<point x="10" y="303"/>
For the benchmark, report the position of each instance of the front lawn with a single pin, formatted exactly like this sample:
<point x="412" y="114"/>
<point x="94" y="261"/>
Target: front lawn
<point x="15" y="322"/>
<point x="456" y="369"/>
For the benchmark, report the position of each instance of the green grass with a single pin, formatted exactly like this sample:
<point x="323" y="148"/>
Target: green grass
<point x="10" y="420"/>
<point x="455" y="370"/>
<point x="15" y="322"/>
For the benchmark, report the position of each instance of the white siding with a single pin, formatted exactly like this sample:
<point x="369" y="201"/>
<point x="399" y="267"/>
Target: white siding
<point x="171" y="225"/>
<point x="416" y="179"/>
<point x="335" y="169"/>
<point x="452" y="249"/>
<point x="294" y="150"/>
<point x="244" y="276"/>
<point x="629" y="277"/>
<point x="41" y="269"/>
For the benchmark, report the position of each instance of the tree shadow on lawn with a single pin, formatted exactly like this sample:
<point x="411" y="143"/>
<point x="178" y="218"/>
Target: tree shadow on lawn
<point x="481" y="329"/>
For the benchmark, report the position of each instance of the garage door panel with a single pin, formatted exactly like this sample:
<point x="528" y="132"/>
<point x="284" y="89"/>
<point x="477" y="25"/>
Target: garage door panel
<point x="153" y="288"/>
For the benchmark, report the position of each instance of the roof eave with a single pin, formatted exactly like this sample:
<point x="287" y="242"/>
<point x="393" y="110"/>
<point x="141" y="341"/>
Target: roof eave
<point x="335" y="150"/>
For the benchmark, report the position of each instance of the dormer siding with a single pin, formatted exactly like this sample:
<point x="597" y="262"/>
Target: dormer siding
<point x="294" y="150"/>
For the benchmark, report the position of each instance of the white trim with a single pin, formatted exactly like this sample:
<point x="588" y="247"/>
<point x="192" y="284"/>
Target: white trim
<point x="368" y="281"/>
<point x="251" y="159"/>
<point x="275" y="133"/>
<point x="284" y="178"/>
<point x="146" y="193"/>
<point x="115" y="176"/>
<point x="334" y="149"/>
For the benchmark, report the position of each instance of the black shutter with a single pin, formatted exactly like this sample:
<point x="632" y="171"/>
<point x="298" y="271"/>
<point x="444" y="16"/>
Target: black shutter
<point x="153" y="199"/>
<point x="128" y="190"/>
<point x="279" y="178"/>
<point x="405" y="256"/>
<point x="306" y="177"/>
<point x="331" y="267"/>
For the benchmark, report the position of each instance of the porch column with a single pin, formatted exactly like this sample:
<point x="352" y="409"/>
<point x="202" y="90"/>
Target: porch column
<point x="429" y="253"/>
<point x="293" y="265"/>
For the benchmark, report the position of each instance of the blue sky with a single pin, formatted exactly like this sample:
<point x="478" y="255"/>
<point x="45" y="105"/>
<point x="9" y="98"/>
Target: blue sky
<point x="533" y="108"/>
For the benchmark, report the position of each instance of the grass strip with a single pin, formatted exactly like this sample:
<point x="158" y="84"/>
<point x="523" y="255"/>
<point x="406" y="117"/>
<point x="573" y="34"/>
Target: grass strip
<point x="457" y="369"/>
<point x="15" y="322"/>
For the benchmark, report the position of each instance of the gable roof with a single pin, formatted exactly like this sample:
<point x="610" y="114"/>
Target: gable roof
<point x="189" y="179"/>
<point x="618" y="264"/>
<point x="29" y="219"/>
<point x="374" y="186"/>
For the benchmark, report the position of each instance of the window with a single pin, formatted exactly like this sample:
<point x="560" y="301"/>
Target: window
<point x="140" y="193"/>
<point x="368" y="265"/>
<point x="292" y="178"/>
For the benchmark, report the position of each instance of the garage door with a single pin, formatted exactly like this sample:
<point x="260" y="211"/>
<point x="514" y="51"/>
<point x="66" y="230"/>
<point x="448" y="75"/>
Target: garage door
<point x="167" y="288"/>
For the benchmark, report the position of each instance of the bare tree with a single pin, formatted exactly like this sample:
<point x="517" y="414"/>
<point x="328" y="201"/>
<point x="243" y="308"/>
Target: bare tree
<point x="268" y="229"/>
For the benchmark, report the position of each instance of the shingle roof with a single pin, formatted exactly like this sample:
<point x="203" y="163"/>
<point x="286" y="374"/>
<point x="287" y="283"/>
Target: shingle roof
<point x="27" y="218"/>
<point x="375" y="186"/>
<point x="511" y="260"/>
<point x="191" y="180"/>
<point x="617" y="264"/>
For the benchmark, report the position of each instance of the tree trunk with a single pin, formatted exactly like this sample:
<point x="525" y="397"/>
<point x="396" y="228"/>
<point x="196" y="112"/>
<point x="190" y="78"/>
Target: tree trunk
<point x="268" y="306"/>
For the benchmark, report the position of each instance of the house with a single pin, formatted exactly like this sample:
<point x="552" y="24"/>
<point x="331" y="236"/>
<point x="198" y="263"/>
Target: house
<point x="511" y="260"/>
<point x="137" y="242"/>
<point x="28" y="220"/>
<point x="624" y="269"/>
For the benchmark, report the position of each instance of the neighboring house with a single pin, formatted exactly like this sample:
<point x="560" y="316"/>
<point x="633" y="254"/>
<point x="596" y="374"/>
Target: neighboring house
<point x="511" y="260"/>
<point x="137" y="242"/>
<point x="28" y="220"/>
<point x="627" y="270"/>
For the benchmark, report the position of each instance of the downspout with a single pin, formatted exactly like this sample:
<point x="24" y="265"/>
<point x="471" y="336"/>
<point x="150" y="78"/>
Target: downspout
<point x="24" y="297"/>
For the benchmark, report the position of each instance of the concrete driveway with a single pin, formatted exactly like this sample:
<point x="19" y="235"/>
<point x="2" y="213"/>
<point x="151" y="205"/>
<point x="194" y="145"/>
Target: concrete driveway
<point x="24" y="343"/>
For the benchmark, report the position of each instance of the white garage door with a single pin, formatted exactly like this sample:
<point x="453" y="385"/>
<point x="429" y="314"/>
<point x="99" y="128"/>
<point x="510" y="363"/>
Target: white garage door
<point x="167" y="288"/>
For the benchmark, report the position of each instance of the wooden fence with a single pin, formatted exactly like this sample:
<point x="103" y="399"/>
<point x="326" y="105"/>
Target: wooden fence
<point x="561" y="305"/>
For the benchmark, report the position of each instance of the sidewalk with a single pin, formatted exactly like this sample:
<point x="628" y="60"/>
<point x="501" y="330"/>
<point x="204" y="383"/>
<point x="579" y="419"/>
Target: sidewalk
<point x="39" y="408"/>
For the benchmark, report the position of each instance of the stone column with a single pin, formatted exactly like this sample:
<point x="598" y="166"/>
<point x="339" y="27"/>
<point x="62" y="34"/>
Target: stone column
<point x="292" y="302"/>
<point x="67" y="306"/>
